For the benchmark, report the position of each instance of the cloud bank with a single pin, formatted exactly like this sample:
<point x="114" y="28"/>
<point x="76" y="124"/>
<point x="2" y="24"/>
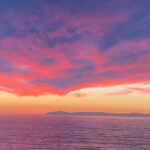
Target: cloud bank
<point x="54" y="47"/>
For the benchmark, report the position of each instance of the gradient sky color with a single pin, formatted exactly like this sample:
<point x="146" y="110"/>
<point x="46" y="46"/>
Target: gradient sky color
<point x="74" y="55"/>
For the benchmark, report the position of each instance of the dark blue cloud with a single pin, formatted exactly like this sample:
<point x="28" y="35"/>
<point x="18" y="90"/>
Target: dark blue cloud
<point x="126" y="59"/>
<point x="49" y="61"/>
<point x="5" y="66"/>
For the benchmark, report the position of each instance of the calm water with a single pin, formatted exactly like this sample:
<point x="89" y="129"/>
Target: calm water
<point x="74" y="133"/>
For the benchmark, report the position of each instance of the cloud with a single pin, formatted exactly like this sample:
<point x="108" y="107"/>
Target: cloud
<point x="54" y="47"/>
<point x="78" y="95"/>
<point x="124" y="92"/>
<point x="142" y="90"/>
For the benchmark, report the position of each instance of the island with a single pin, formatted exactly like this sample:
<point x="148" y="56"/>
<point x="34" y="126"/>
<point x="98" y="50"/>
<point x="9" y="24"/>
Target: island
<point x="134" y="114"/>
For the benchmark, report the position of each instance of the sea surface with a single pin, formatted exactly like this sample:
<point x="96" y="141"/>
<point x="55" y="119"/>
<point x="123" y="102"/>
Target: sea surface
<point x="43" y="132"/>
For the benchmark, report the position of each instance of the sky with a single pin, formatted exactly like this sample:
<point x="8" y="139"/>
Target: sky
<point x="74" y="55"/>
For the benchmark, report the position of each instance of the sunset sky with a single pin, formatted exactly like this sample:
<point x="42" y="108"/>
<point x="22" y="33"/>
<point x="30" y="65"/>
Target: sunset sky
<point x="74" y="55"/>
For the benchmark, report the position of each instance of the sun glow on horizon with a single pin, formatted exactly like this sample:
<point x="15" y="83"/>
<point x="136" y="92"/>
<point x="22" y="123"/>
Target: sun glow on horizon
<point x="103" y="99"/>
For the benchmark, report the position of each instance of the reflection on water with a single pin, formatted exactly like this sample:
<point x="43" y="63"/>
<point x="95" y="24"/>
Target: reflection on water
<point x="73" y="133"/>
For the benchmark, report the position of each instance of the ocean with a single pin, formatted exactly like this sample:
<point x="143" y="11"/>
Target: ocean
<point x="43" y="132"/>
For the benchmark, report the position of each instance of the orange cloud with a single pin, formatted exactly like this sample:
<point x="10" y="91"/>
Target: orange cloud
<point x="141" y="90"/>
<point x="125" y="92"/>
<point x="78" y="95"/>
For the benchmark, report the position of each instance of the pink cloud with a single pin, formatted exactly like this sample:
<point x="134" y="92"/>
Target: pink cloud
<point x="142" y="90"/>
<point x="78" y="95"/>
<point x="57" y="48"/>
<point x="124" y="92"/>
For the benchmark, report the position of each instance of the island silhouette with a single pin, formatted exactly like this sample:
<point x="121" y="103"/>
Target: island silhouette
<point x="133" y="114"/>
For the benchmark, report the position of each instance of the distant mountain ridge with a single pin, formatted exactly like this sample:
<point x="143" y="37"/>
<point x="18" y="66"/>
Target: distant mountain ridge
<point x="134" y="114"/>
